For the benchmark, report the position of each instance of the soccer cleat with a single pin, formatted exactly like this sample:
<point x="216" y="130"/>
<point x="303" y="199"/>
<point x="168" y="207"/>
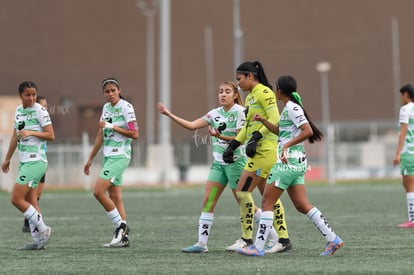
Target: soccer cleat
<point x="274" y="247"/>
<point x="119" y="234"/>
<point x="407" y="224"/>
<point x="30" y="246"/>
<point x="125" y="239"/>
<point x="331" y="247"/>
<point x="197" y="248"/>
<point x="250" y="251"/>
<point x="26" y="226"/>
<point x="122" y="231"/>
<point x="240" y="243"/>
<point x="120" y="244"/>
<point x="44" y="237"/>
<point x="287" y="245"/>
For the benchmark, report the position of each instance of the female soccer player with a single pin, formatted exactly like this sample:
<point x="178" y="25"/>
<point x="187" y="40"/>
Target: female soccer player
<point x="117" y="128"/>
<point x="26" y="227"/>
<point x="261" y="150"/>
<point x="288" y="173"/>
<point x="32" y="127"/>
<point x="223" y="124"/>
<point x="405" y="152"/>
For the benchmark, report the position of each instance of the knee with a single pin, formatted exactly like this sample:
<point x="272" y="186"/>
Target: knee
<point x="19" y="203"/>
<point x="244" y="197"/>
<point x="14" y="201"/>
<point x="304" y="209"/>
<point x="98" y="194"/>
<point x="301" y="209"/>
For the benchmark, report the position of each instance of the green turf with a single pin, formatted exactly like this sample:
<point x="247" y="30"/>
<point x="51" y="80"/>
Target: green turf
<point x="164" y="221"/>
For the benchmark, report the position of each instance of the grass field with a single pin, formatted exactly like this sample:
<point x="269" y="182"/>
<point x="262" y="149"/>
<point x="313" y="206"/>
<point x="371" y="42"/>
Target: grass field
<point x="164" y="221"/>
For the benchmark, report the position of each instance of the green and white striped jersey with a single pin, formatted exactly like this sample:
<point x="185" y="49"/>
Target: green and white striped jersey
<point x="34" y="119"/>
<point x="227" y="123"/>
<point x="291" y="118"/>
<point x="407" y="117"/>
<point x="120" y="115"/>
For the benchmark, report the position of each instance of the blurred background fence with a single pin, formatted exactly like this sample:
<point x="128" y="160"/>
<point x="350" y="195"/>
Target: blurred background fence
<point x="361" y="150"/>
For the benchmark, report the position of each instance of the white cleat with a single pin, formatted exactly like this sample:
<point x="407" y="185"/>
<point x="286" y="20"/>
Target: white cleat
<point x="44" y="237"/>
<point x="240" y="243"/>
<point x="274" y="247"/>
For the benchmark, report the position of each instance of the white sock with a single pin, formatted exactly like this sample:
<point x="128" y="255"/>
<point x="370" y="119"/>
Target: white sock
<point x="257" y="215"/>
<point x="34" y="231"/>
<point x="34" y="218"/>
<point x="266" y="223"/>
<point x="272" y="234"/>
<point x="114" y="217"/>
<point x="410" y="206"/>
<point x="204" y="225"/>
<point x="321" y="223"/>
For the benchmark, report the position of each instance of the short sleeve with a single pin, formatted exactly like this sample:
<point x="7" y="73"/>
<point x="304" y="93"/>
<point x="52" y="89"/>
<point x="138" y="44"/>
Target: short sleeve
<point x="43" y="117"/>
<point x="129" y="113"/>
<point x="208" y="117"/>
<point x="297" y="116"/>
<point x="241" y="118"/>
<point x="404" y="116"/>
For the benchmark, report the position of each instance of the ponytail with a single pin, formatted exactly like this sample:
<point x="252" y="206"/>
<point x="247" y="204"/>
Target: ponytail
<point x="256" y="69"/>
<point x="288" y="86"/>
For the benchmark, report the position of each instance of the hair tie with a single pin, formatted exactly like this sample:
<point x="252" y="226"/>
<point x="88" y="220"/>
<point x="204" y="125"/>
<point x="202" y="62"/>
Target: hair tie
<point x="296" y="96"/>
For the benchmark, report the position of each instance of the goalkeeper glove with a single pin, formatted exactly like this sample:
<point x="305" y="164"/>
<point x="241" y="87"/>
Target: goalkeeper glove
<point x="229" y="152"/>
<point x="252" y="144"/>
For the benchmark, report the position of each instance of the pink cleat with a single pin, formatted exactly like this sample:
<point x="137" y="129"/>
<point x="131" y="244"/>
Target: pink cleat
<point x="250" y="251"/>
<point x="407" y="224"/>
<point x="331" y="247"/>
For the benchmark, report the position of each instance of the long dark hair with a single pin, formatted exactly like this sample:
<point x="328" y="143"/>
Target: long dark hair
<point x="288" y="86"/>
<point x="256" y="69"/>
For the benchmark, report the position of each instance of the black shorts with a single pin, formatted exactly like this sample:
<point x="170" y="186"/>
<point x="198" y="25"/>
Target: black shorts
<point x="43" y="178"/>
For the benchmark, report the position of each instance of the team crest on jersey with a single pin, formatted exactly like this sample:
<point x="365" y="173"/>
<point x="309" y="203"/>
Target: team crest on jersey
<point x="231" y="118"/>
<point x="251" y="100"/>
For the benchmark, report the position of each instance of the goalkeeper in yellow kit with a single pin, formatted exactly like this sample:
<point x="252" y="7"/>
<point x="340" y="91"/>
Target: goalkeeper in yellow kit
<point x="261" y="149"/>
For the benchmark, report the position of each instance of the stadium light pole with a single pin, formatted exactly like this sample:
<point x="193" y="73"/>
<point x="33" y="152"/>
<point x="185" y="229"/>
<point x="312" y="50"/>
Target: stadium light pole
<point x="149" y="10"/>
<point x="237" y="35"/>
<point x="396" y="70"/>
<point x="164" y="126"/>
<point x="323" y="68"/>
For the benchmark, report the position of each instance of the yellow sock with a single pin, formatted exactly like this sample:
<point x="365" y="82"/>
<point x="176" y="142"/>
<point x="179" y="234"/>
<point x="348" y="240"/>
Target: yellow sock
<point x="280" y="221"/>
<point x="246" y="214"/>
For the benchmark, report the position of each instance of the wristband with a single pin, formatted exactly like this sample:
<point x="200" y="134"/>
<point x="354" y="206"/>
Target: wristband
<point x="108" y="125"/>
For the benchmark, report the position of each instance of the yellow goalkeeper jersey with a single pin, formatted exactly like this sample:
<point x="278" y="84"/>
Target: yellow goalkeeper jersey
<point x="261" y="100"/>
